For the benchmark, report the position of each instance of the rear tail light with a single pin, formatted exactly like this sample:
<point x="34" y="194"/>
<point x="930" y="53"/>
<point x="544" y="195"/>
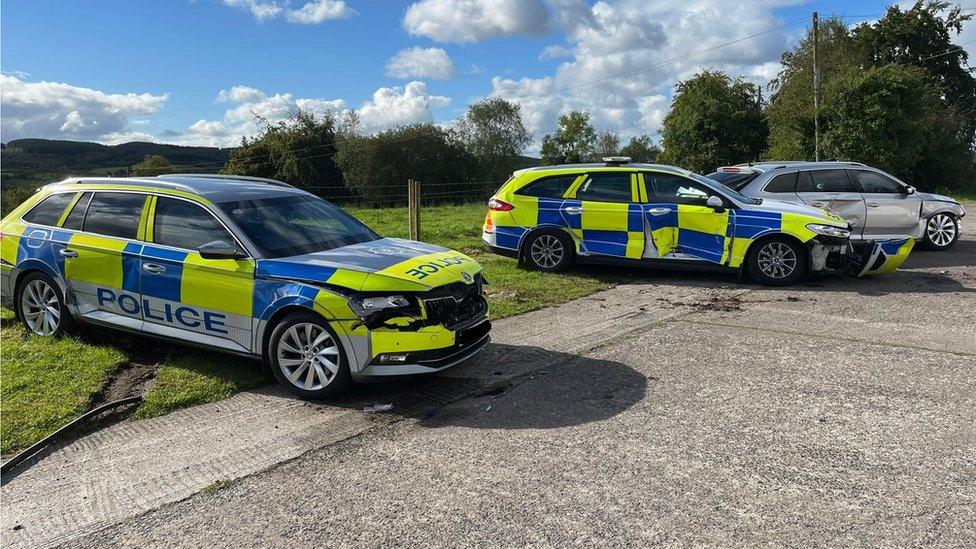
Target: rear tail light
<point x="489" y="224"/>
<point x="496" y="205"/>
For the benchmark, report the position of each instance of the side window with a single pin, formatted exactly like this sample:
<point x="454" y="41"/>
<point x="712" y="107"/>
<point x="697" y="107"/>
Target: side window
<point x="828" y="181"/>
<point x="180" y="224"/>
<point x="674" y="189"/>
<point x="606" y="187"/>
<point x="49" y="210"/>
<point x="783" y="183"/>
<point x="872" y="182"/>
<point x="549" y="187"/>
<point x="115" y="214"/>
<point x="77" y="215"/>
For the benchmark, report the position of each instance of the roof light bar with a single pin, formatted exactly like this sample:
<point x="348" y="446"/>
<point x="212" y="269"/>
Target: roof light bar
<point x="616" y="160"/>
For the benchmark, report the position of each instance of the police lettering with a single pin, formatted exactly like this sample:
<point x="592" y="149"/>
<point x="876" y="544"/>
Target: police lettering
<point x="182" y="315"/>
<point x="424" y="269"/>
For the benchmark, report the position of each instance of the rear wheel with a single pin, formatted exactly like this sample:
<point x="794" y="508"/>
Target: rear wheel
<point x="40" y="305"/>
<point x="550" y="251"/>
<point x="777" y="261"/>
<point x="306" y="357"/>
<point x="941" y="232"/>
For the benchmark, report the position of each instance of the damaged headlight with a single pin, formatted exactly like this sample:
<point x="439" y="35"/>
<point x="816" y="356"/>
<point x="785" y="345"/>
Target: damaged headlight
<point x="364" y="307"/>
<point x="829" y="230"/>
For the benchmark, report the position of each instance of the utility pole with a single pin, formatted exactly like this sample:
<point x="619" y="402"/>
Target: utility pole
<point x="816" y="88"/>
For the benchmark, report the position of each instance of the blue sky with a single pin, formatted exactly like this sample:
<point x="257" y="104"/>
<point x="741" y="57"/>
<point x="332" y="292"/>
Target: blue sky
<point x="194" y="71"/>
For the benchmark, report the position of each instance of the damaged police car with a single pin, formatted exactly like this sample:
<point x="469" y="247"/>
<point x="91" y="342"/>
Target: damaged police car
<point x="243" y="265"/>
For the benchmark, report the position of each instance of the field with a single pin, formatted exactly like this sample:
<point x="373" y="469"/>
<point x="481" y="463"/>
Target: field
<point x="45" y="384"/>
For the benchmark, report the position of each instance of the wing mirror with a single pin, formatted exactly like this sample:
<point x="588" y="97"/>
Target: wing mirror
<point x="910" y="190"/>
<point x="715" y="203"/>
<point x="220" y="249"/>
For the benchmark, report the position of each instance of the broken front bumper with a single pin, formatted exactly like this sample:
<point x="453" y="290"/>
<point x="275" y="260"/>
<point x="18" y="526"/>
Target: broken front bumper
<point x="859" y="258"/>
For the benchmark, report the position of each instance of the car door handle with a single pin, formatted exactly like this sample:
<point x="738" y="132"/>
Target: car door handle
<point x="818" y="204"/>
<point x="574" y="209"/>
<point x="873" y="204"/>
<point x="152" y="268"/>
<point x="658" y="211"/>
<point x="68" y="253"/>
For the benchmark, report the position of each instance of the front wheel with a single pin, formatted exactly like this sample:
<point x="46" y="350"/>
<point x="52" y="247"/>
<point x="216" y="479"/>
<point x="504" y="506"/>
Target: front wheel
<point x="40" y="305"/>
<point x="306" y="357"/>
<point x="777" y="262"/>
<point x="941" y="232"/>
<point x="550" y="251"/>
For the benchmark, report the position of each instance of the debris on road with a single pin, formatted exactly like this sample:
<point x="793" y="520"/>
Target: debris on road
<point x="376" y="408"/>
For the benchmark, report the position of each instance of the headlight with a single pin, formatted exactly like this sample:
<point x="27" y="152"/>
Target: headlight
<point x="366" y="306"/>
<point x="829" y="230"/>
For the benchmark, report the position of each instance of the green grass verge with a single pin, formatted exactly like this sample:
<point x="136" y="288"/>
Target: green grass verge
<point x="46" y="383"/>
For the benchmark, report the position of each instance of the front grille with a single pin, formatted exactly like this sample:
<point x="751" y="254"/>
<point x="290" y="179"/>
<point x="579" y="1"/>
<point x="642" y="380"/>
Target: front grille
<point x="456" y="305"/>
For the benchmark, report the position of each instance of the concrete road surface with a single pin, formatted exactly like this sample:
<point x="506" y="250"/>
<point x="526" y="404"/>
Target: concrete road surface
<point x="688" y="409"/>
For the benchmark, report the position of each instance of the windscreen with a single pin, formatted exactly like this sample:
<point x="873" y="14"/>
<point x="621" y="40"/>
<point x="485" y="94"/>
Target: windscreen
<point x="294" y="225"/>
<point x="732" y="180"/>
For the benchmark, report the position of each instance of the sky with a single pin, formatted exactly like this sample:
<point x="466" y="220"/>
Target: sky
<point x="207" y="72"/>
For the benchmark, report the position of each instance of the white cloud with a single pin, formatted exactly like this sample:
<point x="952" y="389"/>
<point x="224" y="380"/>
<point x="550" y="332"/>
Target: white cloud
<point x="240" y="94"/>
<point x="554" y="51"/>
<point x="312" y="12"/>
<point x="475" y="20"/>
<point x="318" y="11"/>
<point x="57" y="110"/>
<point x="420" y="63"/>
<point x="391" y="107"/>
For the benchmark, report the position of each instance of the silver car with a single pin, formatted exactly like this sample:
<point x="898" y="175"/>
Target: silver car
<point x="878" y="205"/>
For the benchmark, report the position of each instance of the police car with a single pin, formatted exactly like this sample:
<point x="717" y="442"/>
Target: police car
<point x="648" y="214"/>
<point x="244" y="265"/>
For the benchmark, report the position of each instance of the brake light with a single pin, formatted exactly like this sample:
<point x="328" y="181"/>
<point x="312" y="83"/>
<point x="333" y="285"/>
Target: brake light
<point x="496" y="205"/>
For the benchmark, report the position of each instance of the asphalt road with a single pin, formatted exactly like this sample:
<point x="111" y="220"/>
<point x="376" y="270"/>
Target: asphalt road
<point x="686" y="410"/>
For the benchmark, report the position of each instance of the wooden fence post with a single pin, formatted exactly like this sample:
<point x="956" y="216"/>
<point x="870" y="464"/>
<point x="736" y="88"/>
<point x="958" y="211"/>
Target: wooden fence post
<point x="413" y="208"/>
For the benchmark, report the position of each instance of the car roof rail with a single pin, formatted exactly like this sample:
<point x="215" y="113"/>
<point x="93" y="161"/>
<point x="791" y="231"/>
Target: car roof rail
<point x="231" y="177"/>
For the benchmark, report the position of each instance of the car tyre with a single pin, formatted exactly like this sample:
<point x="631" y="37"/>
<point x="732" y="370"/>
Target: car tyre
<point x="777" y="261"/>
<point x="549" y="250"/>
<point x="941" y="232"/>
<point x="306" y="357"/>
<point x="40" y="306"/>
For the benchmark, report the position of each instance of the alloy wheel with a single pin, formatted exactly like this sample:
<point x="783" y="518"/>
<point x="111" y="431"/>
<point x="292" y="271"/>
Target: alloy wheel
<point x="547" y="251"/>
<point x="777" y="260"/>
<point x="41" y="307"/>
<point x="941" y="230"/>
<point x="308" y="356"/>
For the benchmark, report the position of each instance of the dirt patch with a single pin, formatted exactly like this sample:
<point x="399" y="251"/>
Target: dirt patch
<point x="724" y="304"/>
<point x="132" y="379"/>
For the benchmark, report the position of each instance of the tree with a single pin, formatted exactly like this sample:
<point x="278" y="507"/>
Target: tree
<point x="492" y="132"/>
<point x="573" y="141"/>
<point x="151" y="165"/>
<point x="377" y="167"/>
<point x="713" y="121"/>
<point x="299" y="151"/>
<point x="641" y="149"/>
<point x="607" y="144"/>
<point x="790" y="112"/>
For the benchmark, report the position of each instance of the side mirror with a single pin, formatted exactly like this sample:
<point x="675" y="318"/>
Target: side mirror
<point x="910" y="190"/>
<point x="219" y="249"/>
<point x="716" y="203"/>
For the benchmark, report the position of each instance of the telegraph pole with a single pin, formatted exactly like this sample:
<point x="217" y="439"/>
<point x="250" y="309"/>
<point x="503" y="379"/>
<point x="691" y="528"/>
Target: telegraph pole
<point x="816" y="88"/>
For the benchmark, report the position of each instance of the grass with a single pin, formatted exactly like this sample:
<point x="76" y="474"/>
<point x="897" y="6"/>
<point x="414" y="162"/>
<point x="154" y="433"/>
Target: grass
<point x="47" y="383"/>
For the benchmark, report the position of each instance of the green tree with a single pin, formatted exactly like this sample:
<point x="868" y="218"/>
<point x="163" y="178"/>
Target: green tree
<point x="300" y="151"/>
<point x="573" y="141"/>
<point x="377" y="167"/>
<point x="714" y="120"/>
<point x="607" y="144"/>
<point x="492" y="132"/>
<point x="641" y="149"/>
<point x="151" y="165"/>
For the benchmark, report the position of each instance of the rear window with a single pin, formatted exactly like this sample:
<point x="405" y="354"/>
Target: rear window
<point x="115" y="214"/>
<point x="49" y="210"/>
<point x="548" y="187"/>
<point x="824" y="181"/>
<point x="733" y="180"/>
<point x="783" y="183"/>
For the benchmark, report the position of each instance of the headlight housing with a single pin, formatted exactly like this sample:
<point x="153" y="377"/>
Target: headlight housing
<point x="829" y="230"/>
<point x="364" y="307"/>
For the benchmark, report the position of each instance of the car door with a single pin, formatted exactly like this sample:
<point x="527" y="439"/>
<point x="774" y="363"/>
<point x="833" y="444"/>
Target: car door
<point x="890" y="211"/>
<point x="604" y="212"/>
<point x="101" y="260"/>
<point x="680" y="224"/>
<point x="833" y="190"/>
<point x="188" y="296"/>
